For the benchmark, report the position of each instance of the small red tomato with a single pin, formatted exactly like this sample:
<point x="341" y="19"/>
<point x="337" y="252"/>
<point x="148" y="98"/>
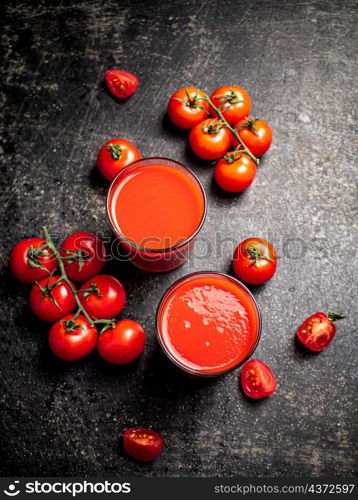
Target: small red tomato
<point x="257" y="379"/>
<point x="142" y="444"/>
<point x="51" y="299"/>
<point x="103" y="296"/>
<point x="255" y="261"/>
<point x="30" y="260"/>
<point x="72" y="338"/>
<point x="255" y="134"/>
<point x="115" y="155"/>
<point x="234" y="103"/>
<point x="186" y="107"/>
<point x="121" y="83"/>
<point x="83" y="255"/>
<point x="235" y="172"/>
<point x="318" y="331"/>
<point x="210" y="139"/>
<point x="123" y="343"/>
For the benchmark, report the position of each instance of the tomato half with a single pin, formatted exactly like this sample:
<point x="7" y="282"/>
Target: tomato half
<point x="255" y="261"/>
<point x="318" y="331"/>
<point x="72" y="338"/>
<point x="186" y="107"/>
<point x="51" y="299"/>
<point x="31" y="261"/>
<point x="103" y="296"/>
<point x="142" y="444"/>
<point x="121" y="84"/>
<point x="235" y="172"/>
<point x="114" y="155"/>
<point x="210" y="139"/>
<point x="234" y="103"/>
<point x="257" y="379"/>
<point x="123" y="343"/>
<point x="255" y="134"/>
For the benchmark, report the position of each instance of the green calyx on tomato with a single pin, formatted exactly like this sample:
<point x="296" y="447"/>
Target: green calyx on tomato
<point x="335" y="316"/>
<point x="214" y="127"/>
<point x="33" y="255"/>
<point x="249" y="124"/>
<point x="47" y="290"/>
<point x="115" y="150"/>
<point x="192" y="101"/>
<point x="231" y="157"/>
<point x="256" y="255"/>
<point x="80" y="256"/>
<point x="229" y="98"/>
<point x="93" y="288"/>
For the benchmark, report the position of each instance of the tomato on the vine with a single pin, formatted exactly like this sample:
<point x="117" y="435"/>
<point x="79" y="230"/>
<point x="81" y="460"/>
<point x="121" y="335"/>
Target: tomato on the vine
<point x="186" y="107"/>
<point x="234" y="103"/>
<point x="83" y="255"/>
<point x="123" y="343"/>
<point x="31" y="260"/>
<point x="235" y="171"/>
<point x="142" y="444"/>
<point x="72" y="338"/>
<point x="255" y="261"/>
<point x="210" y="139"/>
<point x="103" y="296"/>
<point x="121" y="84"/>
<point x="51" y="299"/>
<point x="255" y="134"/>
<point x="318" y="331"/>
<point x="114" y="155"/>
<point x="257" y="379"/>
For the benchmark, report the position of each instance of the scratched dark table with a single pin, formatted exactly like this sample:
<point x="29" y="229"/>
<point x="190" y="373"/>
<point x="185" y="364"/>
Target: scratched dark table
<point x="297" y="61"/>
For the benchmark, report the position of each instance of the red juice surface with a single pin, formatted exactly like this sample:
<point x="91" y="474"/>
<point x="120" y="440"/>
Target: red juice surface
<point x="156" y="206"/>
<point x="209" y="323"/>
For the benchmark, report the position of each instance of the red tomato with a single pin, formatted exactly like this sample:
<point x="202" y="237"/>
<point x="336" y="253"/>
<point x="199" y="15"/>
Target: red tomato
<point x="210" y="139"/>
<point x="255" y="261"/>
<point x="103" y="296"/>
<point x="142" y="444"/>
<point x="83" y="255"/>
<point x="255" y="134"/>
<point x="235" y="172"/>
<point x="318" y="331"/>
<point x="51" y="301"/>
<point x="234" y="102"/>
<point x="121" y="83"/>
<point x="186" y="109"/>
<point x="257" y="379"/>
<point x="72" y="339"/>
<point x="115" y="155"/>
<point x="30" y="261"/>
<point x="123" y="343"/>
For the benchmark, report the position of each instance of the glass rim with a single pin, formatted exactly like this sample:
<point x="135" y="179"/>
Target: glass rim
<point x="155" y="250"/>
<point x="169" y="354"/>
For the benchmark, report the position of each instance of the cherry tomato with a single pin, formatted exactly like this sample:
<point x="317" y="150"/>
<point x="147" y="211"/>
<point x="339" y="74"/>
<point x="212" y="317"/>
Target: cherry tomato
<point x="114" y="155"/>
<point x="235" y="172"/>
<point x="103" y="296"/>
<point x="255" y="261"/>
<point x="72" y="338"/>
<point x="210" y="139"/>
<point x="186" y="109"/>
<point x="123" y="343"/>
<point x="121" y="84"/>
<point x="255" y="134"/>
<point x="83" y="255"/>
<point x="257" y="379"/>
<point x="142" y="444"/>
<point x="234" y="103"/>
<point x="318" y="331"/>
<point x="30" y="261"/>
<point x="51" y="299"/>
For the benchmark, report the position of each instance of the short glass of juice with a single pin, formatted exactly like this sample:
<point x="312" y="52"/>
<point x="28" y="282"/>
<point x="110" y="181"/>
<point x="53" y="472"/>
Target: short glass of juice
<point x="156" y="208"/>
<point x="208" y="323"/>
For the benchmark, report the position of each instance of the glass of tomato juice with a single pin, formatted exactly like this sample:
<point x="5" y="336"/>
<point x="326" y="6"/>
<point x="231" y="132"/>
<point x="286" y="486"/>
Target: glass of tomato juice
<point x="208" y="323"/>
<point x="156" y="208"/>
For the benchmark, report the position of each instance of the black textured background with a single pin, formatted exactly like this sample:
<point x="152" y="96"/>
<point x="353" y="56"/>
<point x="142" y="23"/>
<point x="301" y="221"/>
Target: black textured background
<point x="297" y="61"/>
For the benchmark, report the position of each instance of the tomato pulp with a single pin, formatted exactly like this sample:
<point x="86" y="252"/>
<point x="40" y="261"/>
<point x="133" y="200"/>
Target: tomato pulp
<point x="208" y="323"/>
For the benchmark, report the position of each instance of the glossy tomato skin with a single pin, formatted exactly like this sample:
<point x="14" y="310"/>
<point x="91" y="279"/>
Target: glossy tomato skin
<point x="232" y="111"/>
<point x="71" y="346"/>
<point x="257" y="379"/>
<point x="114" y="155"/>
<point x="142" y="444"/>
<point x="94" y="251"/>
<point x="122" y="344"/>
<point x="20" y="256"/>
<point x="210" y="145"/>
<point x="120" y="83"/>
<point x="244" y="264"/>
<point x="183" y="107"/>
<point x="235" y="176"/>
<point x="259" y="140"/>
<point x="45" y="308"/>
<point x="109" y="299"/>
<point x="317" y="332"/>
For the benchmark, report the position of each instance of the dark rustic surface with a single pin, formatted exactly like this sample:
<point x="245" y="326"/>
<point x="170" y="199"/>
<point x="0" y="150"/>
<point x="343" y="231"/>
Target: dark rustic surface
<point x="296" y="59"/>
